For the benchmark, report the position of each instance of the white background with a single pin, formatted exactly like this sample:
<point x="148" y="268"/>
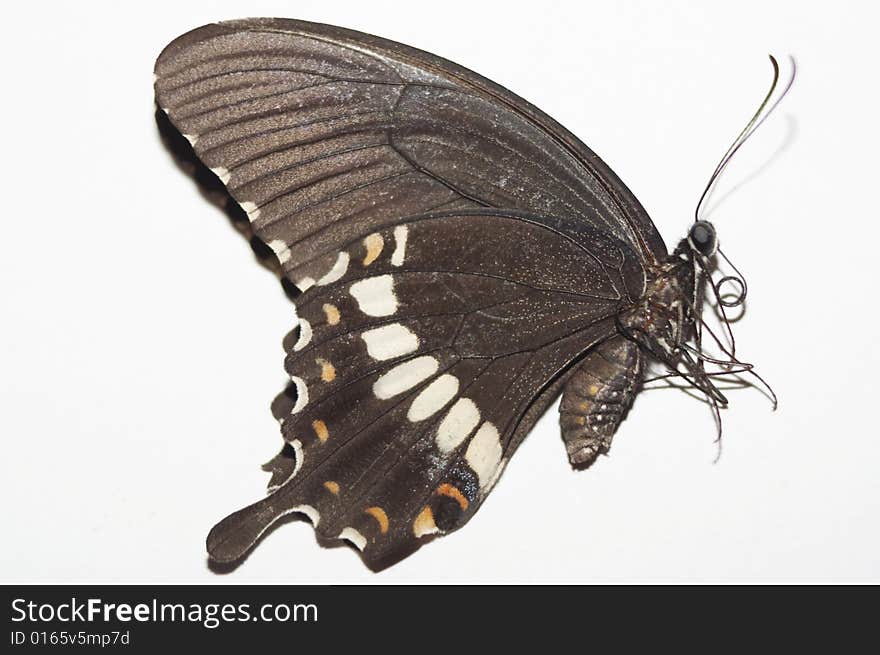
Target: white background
<point x="140" y="341"/>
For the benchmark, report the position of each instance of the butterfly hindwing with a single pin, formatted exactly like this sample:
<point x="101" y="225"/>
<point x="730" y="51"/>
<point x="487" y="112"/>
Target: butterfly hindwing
<point x="415" y="371"/>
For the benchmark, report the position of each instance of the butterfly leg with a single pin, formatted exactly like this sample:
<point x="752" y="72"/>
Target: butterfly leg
<point x="596" y="398"/>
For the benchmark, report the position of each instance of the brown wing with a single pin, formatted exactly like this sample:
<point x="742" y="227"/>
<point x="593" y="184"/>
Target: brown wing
<point x="318" y="131"/>
<point x="418" y="367"/>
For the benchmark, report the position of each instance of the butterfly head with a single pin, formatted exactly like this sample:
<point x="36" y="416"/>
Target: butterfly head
<point x="702" y="238"/>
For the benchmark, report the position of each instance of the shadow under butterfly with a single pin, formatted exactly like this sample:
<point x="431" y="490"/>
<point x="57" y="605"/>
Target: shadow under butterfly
<point x="457" y="260"/>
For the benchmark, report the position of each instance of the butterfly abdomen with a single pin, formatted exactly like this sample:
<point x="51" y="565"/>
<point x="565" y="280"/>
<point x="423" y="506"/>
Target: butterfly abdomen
<point x="597" y="397"/>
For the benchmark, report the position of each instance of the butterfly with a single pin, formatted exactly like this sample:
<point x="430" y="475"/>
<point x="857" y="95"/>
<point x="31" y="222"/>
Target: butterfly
<point x="459" y="259"/>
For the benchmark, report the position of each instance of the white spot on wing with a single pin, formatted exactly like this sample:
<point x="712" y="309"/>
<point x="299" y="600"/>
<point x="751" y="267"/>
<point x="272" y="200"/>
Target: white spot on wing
<point x="282" y="252"/>
<point x="296" y="444"/>
<point x="421" y="531"/>
<point x="192" y="138"/>
<point x="390" y="341"/>
<point x="400" y="234"/>
<point x="458" y="423"/>
<point x="302" y="394"/>
<point x="483" y="454"/>
<point x="305" y="335"/>
<point x="433" y="398"/>
<point x="355" y="537"/>
<point x="309" y="511"/>
<point x="337" y="271"/>
<point x="375" y="295"/>
<point x="305" y="284"/>
<point x="405" y="376"/>
<point x="222" y="173"/>
<point x="253" y="212"/>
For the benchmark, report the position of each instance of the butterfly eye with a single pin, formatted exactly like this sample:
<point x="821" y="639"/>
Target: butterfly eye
<point x="702" y="238"/>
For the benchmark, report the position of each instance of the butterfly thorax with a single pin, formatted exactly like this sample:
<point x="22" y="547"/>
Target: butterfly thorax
<point x="665" y="322"/>
<point x="662" y="319"/>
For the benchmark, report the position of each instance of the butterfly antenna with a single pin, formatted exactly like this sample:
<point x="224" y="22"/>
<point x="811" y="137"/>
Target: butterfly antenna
<point x="759" y="117"/>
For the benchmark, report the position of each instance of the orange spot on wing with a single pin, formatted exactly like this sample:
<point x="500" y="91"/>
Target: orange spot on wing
<point x="424" y="523"/>
<point x="328" y="371"/>
<point x="332" y="314"/>
<point x="381" y="517"/>
<point x="446" y="489"/>
<point x="373" y="243"/>
<point x="321" y="430"/>
<point x="332" y="487"/>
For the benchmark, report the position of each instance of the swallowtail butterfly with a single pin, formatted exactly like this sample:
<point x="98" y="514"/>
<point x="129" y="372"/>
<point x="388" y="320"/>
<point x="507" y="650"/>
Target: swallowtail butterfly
<point x="460" y="259"/>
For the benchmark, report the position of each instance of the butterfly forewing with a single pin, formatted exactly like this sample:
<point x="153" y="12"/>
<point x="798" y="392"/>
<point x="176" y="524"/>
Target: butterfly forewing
<point x="319" y="131"/>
